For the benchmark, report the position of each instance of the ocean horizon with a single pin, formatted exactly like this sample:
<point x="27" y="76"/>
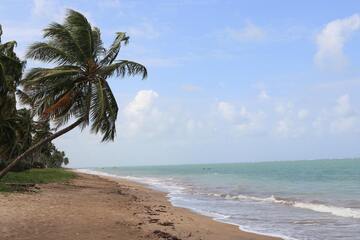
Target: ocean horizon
<point x="306" y="199"/>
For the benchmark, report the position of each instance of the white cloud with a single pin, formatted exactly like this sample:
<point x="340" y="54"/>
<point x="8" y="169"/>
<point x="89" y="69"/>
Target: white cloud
<point x="345" y="118"/>
<point x="331" y="40"/>
<point x="250" y="32"/>
<point x="142" y="102"/>
<point x="291" y="121"/>
<point x="142" y="118"/>
<point x="227" y="110"/>
<point x="288" y="127"/>
<point x="249" y="122"/>
<point x="242" y="120"/>
<point x="139" y="110"/>
<point x="340" y="119"/>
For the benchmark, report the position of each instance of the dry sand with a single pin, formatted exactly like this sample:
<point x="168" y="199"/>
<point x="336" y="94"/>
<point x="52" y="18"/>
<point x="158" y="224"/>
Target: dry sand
<point x="91" y="207"/>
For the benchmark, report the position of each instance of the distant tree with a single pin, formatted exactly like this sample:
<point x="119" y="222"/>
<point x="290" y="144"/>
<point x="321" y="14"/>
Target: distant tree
<point x="77" y="87"/>
<point x="57" y="159"/>
<point x="24" y="129"/>
<point x="47" y="156"/>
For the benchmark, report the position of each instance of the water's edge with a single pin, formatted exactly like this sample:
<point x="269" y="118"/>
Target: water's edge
<point x="218" y="218"/>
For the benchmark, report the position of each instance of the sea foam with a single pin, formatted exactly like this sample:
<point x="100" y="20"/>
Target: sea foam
<point x="334" y="210"/>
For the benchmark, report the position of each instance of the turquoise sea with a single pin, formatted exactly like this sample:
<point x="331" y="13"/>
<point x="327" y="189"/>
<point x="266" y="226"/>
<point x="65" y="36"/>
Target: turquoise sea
<point x="317" y="199"/>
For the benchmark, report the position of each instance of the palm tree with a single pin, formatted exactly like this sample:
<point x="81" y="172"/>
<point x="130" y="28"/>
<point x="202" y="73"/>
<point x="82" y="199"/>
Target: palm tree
<point x="43" y="154"/>
<point x="77" y="88"/>
<point x="24" y="129"/>
<point x="11" y="69"/>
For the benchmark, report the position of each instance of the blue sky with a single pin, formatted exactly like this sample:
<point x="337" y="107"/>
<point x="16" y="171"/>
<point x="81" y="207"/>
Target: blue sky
<point x="229" y="81"/>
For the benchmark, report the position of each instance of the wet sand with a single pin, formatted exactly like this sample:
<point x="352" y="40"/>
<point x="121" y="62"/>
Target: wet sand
<point x="92" y="207"/>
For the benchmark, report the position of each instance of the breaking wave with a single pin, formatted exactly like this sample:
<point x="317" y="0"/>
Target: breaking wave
<point x="323" y="208"/>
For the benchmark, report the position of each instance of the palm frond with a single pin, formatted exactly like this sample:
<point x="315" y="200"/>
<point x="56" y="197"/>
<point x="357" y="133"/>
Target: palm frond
<point x="97" y="43"/>
<point x="113" y="52"/>
<point x="81" y="31"/>
<point x="104" y="111"/>
<point x="44" y="75"/>
<point x="124" y="67"/>
<point x="13" y="65"/>
<point x="62" y="38"/>
<point x="3" y="84"/>
<point x="24" y="97"/>
<point x="48" y="53"/>
<point x="62" y="102"/>
<point x="8" y="48"/>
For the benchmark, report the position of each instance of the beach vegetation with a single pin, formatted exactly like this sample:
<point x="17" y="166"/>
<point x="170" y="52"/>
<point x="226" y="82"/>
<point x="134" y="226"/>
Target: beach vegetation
<point x="13" y="180"/>
<point x="75" y="88"/>
<point x="19" y="128"/>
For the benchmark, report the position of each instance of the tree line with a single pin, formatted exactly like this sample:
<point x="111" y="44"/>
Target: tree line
<point x="18" y="127"/>
<point x="35" y="106"/>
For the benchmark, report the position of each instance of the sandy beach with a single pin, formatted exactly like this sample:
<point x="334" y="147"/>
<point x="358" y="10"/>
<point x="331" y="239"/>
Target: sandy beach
<point x="93" y="207"/>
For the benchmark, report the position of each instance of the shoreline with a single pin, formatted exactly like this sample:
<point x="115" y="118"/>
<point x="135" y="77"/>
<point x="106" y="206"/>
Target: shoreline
<point x="114" y="177"/>
<point x="99" y="207"/>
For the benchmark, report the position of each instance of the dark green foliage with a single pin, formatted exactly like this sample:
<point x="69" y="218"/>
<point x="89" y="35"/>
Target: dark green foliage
<point x="18" y="129"/>
<point x="56" y="159"/>
<point x="13" y="135"/>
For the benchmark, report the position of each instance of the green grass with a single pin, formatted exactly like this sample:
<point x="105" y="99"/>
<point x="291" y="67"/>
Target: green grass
<point x="37" y="176"/>
<point x="4" y="188"/>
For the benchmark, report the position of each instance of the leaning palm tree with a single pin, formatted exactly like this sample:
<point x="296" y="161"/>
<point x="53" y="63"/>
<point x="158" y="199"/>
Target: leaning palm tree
<point x="77" y="88"/>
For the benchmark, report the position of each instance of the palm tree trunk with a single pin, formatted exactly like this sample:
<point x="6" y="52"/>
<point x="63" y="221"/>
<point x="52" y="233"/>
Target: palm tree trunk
<point x="37" y="145"/>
